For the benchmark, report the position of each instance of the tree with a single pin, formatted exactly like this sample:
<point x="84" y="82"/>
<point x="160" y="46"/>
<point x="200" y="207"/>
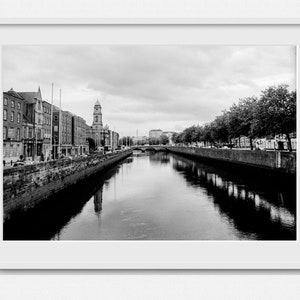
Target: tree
<point x="188" y="134"/>
<point x="219" y="129"/>
<point x="277" y="112"/>
<point x="234" y="122"/>
<point x="197" y="134"/>
<point x="207" y="134"/>
<point x="242" y="119"/>
<point x="163" y="139"/>
<point x="178" y="138"/>
<point x="248" y="118"/>
<point x="153" y="141"/>
<point x="273" y="113"/>
<point x="174" y="137"/>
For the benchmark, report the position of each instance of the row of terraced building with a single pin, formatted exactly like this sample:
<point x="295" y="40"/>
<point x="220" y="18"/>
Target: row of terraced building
<point x="27" y="128"/>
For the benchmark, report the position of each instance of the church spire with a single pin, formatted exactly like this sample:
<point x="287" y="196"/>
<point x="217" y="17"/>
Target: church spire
<point x="97" y="103"/>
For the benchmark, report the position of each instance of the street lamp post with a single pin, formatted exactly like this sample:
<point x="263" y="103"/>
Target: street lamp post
<point x="51" y="129"/>
<point x="59" y="131"/>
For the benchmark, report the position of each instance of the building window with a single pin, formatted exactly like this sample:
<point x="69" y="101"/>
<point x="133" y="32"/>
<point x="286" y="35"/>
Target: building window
<point x="19" y="105"/>
<point x="4" y="133"/>
<point x="11" y="133"/>
<point x="18" y="118"/>
<point x="4" y="114"/>
<point x="12" y="116"/>
<point x="5" y="101"/>
<point x="30" y="133"/>
<point x="12" y="103"/>
<point x="18" y="134"/>
<point x="39" y="105"/>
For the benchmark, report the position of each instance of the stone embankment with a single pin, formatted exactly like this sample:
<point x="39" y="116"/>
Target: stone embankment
<point x="284" y="162"/>
<point x="25" y="186"/>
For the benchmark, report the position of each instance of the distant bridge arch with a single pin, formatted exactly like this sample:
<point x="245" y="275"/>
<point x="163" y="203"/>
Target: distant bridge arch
<point x="149" y="148"/>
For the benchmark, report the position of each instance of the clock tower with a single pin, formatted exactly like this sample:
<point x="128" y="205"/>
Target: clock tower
<point x="97" y="120"/>
<point x="97" y="126"/>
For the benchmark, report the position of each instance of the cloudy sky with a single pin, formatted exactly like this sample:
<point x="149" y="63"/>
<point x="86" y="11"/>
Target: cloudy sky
<point x="146" y="87"/>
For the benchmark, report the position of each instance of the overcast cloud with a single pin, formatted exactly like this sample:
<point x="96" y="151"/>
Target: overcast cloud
<point x="146" y="87"/>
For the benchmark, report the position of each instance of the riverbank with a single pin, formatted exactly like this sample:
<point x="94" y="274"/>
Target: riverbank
<point x="272" y="161"/>
<point x="162" y="196"/>
<point x="26" y="186"/>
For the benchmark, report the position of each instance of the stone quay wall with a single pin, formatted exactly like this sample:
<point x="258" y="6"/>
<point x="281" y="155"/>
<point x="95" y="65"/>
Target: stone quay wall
<point x="273" y="160"/>
<point x="25" y="186"/>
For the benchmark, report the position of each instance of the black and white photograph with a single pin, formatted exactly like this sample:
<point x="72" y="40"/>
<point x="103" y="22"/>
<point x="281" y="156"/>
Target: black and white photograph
<point x="149" y="142"/>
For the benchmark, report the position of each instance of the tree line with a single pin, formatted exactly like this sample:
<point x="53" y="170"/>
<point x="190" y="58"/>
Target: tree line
<point x="273" y="113"/>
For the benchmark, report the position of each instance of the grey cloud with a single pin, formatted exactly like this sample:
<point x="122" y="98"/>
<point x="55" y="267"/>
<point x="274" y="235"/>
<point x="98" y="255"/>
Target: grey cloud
<point x="140" y="84"/>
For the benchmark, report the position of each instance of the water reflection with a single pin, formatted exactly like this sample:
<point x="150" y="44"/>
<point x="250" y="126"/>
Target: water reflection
<point x="159" y="196"/>
<point x="48" y="218"/>
<point x="255" y="213"/>
<point x="160" y="158"/>
<point x="98" y="201"/>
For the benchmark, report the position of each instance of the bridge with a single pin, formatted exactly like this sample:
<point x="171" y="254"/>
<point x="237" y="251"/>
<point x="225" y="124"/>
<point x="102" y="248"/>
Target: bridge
<point x="149" y="148"/>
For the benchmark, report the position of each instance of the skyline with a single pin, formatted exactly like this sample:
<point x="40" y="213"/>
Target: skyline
<point x="148" y="87"/>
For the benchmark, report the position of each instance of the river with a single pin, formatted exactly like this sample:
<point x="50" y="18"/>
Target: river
<point x="162" y="196"/>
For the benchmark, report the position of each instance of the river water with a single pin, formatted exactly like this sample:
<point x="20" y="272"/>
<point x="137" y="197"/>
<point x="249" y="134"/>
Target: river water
<point x="162" y="196"/>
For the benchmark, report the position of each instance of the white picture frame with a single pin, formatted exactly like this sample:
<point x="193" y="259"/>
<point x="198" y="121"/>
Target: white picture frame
<point x="266" y="30"/>
<point x="150" y="12"/>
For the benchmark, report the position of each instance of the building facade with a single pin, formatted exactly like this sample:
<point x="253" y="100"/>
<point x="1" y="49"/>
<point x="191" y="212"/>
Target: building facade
<point x="113" y="140"/>
<point x="155" y="133"/>
<point x="79" y="135"/>
<point x="35" y="104"/>
<point x="62" y="132"/>
<point x="28" y="130"/>
<point x="46" y="130"/>
<point x="12" y="126"/>
<point x="35" y="130"/>
<point x="105" y="136"/>
<point x="66" y="133"/>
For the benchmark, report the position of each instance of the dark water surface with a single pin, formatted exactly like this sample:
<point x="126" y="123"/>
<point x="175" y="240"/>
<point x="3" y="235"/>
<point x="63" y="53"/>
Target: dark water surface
<point x="162" y="196"/>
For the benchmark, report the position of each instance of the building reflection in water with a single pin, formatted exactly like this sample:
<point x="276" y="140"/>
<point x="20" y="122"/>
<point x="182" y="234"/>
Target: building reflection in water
<point x="159" y="158"/>
<point x="98" y="197"/>
<point x="266" y="215"/>
<point x="64" y="205"/>
<point x="255" y="209"/>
